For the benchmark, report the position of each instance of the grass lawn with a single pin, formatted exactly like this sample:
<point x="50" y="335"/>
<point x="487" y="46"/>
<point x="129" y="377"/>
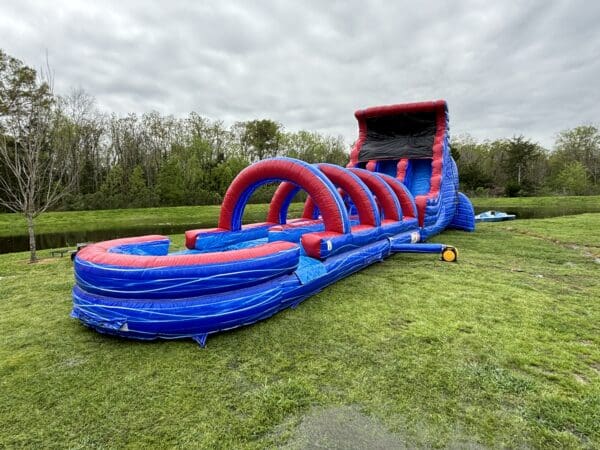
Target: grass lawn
<point x="68" y="221"/>
<point x="501" y="349"/>
<point x="544" y="206"/>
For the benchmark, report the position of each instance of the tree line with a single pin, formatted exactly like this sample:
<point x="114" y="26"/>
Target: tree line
<point x="154" y="160"/>
<point x="518" y="166"/>
<point x="62" y="153"/>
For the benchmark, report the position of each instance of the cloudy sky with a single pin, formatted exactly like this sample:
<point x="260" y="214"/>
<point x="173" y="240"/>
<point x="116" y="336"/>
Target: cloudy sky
<point x="505" y="67"/>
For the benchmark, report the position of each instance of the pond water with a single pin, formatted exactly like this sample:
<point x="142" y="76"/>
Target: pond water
<point x="539" y="212"/>
<point x="20" y="243"/>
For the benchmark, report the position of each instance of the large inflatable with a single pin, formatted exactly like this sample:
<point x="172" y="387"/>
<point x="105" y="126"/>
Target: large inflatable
<point x="399" y="189"/>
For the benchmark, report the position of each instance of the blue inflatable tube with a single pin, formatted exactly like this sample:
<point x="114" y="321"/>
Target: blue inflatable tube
<point x="199" y="316"/>
<point x="199" y="276"/>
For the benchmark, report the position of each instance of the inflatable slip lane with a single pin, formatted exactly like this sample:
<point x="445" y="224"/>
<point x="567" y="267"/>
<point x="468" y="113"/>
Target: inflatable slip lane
<point x="399" y="188"/>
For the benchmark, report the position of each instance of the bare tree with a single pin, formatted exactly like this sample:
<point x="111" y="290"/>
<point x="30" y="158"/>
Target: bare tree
<point x="82" y="128"/>
<point x="36" y="168"/>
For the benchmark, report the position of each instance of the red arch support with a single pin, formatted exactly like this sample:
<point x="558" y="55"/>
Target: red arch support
<point x="404" y="196"/>
<point x="281" y="200"/>
<point x="335" y="217"/>
<point x="384" y="193"/>
<point x="352" y="185"/>
<point x="361" y="197"/>
<point x="309" y="209"/>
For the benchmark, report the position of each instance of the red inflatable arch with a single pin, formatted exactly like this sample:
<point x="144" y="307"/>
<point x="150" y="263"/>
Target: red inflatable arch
<point x="384" y="193"/>
<point x="353" y="186"/>
<point x="307" y="177"/>
<point x="356" y="190"/>
<point x="281" y="202"/>
<point x="404" y="197"/>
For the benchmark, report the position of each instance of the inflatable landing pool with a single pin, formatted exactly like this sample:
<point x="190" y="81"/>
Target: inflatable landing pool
<point x="399" y="189"/>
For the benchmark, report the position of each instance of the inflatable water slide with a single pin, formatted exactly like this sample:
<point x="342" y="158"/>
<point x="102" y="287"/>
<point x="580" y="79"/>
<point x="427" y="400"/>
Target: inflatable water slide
<point x="399" y="189"/>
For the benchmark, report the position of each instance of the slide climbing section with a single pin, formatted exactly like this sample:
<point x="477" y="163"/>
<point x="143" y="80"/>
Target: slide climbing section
<point x="399" y="189"/>
<point x="411" y="143"/>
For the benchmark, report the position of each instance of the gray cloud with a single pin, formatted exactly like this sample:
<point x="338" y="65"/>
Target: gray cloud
<point x="505" y="67"/>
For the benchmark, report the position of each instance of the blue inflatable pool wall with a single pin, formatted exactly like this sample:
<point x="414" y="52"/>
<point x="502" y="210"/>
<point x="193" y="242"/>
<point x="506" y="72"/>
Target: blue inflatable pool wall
<point x="399" y="189"/>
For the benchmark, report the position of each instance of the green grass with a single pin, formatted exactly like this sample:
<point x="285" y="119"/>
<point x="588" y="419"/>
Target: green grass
<point x="499" y="350"/>
<point x="69" y="221"/>
<point x="546" y="206"/>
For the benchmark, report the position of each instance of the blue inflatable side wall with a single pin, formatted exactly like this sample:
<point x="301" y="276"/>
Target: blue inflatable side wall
<point x="464" y="218"/>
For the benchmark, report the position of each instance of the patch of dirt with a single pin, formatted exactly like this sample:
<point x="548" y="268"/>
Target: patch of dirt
<point x="580" y="378"/>
<point x="349" y="429"/>
<point x="343" y="428"/>
<point x="73" y="362"/>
